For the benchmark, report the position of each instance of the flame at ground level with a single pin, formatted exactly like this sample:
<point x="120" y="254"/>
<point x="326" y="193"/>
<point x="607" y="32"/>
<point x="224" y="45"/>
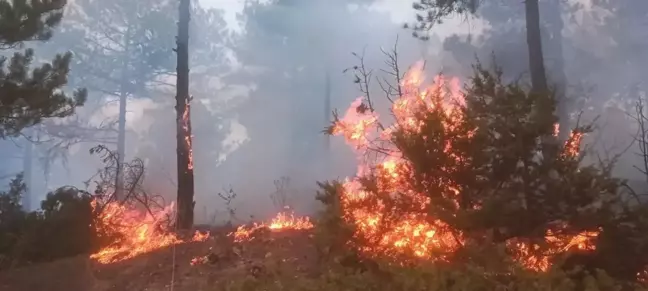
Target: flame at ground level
<point x="137" y="232"/>
<point x="282" y="221"/>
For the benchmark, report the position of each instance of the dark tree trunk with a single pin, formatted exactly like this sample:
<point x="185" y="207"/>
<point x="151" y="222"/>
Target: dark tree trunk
<point x="183" y="117"/>
<point x="28" y="161"/>
<point x="327" y="111"/>
<point x="534" y="41"/>
<point x="536" y="65"/>
<point x="554" y="26"/>
<point x="121" y="145"/>
<point x="121" y="132"/>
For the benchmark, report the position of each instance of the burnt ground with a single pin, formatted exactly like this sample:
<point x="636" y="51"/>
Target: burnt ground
<point x="291" y="251"/>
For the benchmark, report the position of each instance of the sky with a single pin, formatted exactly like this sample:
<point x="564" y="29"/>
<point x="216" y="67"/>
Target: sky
<point x="231" y="8"/>
<point x="400" y="11"/>
<point x="400" y="8"/>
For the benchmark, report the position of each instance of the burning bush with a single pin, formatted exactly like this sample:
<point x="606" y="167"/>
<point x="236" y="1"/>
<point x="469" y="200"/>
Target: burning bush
<point x="474" y="169"/>
<point x="74" y="222"/>
<point x="135" y="223"/>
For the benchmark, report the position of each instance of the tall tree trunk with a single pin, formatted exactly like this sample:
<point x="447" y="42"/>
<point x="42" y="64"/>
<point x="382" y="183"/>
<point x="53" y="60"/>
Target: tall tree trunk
<point x="534" y="41"/>
<point x="121" y="133"/>
<point x="28" y="162"/>
<point x="327" y="111"/>
<point x="121" y="146"/>
<point x="47" y="173"/>
<point x="327" y="162"/>
<point x="537" y="67"/>
<point x="183" y="117"/>
<point x="554" y="27"/>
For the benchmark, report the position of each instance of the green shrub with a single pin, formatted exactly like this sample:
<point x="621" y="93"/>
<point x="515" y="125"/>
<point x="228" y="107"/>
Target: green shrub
<point x="62" y="228"/>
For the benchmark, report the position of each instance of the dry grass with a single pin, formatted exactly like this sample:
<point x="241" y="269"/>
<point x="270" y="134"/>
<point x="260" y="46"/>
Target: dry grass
<point x="67" y="274"/>
<point x="280" y="261"/>
<point x="290" y="251"/>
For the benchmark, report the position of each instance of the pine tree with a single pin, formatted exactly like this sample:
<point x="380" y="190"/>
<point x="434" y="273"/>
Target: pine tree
<point x="475" y="166"/>
<point x="29" y="97"/>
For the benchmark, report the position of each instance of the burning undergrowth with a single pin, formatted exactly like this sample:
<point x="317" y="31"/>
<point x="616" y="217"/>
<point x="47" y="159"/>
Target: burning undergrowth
<point x="460" y="169"/>
<point x="133" y="222"/>
<point x="285" y="220"/>
<point x="284" y="232"/>
<point x="130" y="221"/>
<point x="136" y="231"/>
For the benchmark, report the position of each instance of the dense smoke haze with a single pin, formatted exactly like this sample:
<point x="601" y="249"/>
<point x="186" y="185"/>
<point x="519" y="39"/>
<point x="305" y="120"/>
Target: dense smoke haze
<point x="266" y="74"/>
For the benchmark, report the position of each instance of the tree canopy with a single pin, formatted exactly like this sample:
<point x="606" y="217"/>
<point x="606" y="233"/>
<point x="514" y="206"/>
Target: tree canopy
<point x="27" y="97"/>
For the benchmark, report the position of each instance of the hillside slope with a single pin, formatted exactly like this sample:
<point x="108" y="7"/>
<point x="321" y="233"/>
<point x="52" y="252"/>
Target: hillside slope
<point x="220" y="262"/>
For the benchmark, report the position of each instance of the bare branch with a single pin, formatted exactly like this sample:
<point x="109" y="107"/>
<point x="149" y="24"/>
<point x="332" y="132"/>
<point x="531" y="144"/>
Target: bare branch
<point x="362" y="77"/>
<point x="392" y="89"/>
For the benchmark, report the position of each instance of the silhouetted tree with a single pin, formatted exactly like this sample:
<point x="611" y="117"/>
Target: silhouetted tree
<point x="437" y="10"/>
<point x="185" y="197"/>
<point x="63" y="227"/>
<point x="212" y="109"/>
<point x="12" y="218"/>
<point x="29" y="97"/>
<point x="123" y="49"/>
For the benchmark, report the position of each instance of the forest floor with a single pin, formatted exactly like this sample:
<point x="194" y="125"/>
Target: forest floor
<point x="224" y="263"/>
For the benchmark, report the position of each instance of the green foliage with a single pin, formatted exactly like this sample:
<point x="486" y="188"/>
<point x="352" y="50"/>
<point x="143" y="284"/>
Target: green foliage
<point x="29" y="97"/>
<point x="23" y="20"/>
<point x="67" y="219"/>
<point x="501" y="173"/>
<point x="11" y="215"/>
<point x="434" y="11"/>
<point x="334" y="234"/>
<point x="63" y="228"/>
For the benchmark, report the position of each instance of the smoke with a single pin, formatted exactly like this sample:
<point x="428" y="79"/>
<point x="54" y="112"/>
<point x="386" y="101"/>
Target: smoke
<point x="264" y="76"/>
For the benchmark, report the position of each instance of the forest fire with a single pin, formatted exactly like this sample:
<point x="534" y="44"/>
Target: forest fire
<point x="137" y="232"/>
<point x="411" y="232"/>
<point x="379" y="229"/>
<point x="283" y="221"/>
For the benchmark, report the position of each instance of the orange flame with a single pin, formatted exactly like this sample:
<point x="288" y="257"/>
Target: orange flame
<point x="413" y="232"/>
<point x="138" y="232"/>
<point x="186" y="126"/>
<point x="282" y="221"/>
<point x="573" y="144"/>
